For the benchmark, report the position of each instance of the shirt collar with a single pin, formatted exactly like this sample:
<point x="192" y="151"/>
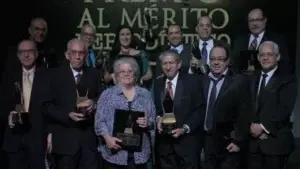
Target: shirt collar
<point x="270" y="73"/>
<point x="178" y="48"/>
<point x="174" y="80"/>
<point x="209" y="42"/>
<point x="259" y="35"/>
<point x="118" y="90"/>
<point x="75" y="72"/>
<point x="29" y="71"/>
<point x="223" y="74"/>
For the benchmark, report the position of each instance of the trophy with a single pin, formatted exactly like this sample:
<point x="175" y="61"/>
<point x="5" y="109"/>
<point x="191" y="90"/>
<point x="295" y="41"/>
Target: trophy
<point x="128" y="130"/>
<point x="19" y="108"/>
<point x="168" y="120"/>
<point x="249" y="58"/>
<point x="81" y="104"/>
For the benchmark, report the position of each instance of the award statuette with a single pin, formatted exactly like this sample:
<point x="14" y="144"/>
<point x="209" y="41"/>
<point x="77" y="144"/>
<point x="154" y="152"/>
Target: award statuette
<point x="168" y="120"/>
<point x="249" y="63"/>
<point x="127" y="130"/>
<point x="81" y="105"/>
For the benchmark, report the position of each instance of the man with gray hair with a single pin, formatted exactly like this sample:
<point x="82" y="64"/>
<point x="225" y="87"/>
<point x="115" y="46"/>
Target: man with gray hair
<point x="188" y="106"/>
<point x="70" y="106"/>
<point x="88" y="35"/>
<point x="273" y="95"/>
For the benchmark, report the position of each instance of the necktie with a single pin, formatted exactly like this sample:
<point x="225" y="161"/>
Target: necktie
<point x="27" y="85"/>
<point x="78" y="78"/>
<point x="211" y="102"/>
<point x="170" y="90"/>
<point x="262" y="84"/>
<point x="90" y="59"/>
<point x="204" y="52"/>
<point x="253" y="44"/>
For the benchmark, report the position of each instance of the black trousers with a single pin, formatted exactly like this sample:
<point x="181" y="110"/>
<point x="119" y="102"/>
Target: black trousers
<point x="260" y="160"/>
<point x="108" y="165"/>
<point x="26" y="158"/>
<point x="85" y="158"/>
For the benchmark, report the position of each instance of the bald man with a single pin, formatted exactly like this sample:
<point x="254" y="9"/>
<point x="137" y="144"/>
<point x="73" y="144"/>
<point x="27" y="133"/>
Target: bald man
<point x="246" y="45"/>
<point x="25" y="142"/>
<point x="73" y="86"/>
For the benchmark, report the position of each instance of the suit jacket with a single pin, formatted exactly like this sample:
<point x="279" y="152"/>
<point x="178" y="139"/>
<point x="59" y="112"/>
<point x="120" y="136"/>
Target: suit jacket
<point x="35" y="137"/>
<point x="68" y="135"/>
<point x="230" y="123"/>
<point x="185" y="55"/>
<point x="241" y="43"/>
<point x="189" y="109"/>
<point x="273" y="111"/>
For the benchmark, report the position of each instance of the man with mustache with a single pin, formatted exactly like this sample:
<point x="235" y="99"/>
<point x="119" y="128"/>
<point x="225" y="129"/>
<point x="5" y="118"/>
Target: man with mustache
<point x="246" y="46"/>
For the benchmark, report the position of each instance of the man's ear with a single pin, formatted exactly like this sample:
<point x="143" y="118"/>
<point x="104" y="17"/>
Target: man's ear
<point x="66" y="55"/>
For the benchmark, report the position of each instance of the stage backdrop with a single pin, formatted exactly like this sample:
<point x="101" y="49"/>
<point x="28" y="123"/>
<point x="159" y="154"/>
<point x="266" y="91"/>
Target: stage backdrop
<point x="66" y="17"/>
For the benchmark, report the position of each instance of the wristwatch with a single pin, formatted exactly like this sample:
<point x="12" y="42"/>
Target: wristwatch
<point x="186" y="128"/>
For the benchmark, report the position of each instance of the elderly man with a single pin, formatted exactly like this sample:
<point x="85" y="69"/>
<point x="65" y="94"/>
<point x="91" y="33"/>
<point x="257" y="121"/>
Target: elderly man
<point x="183" y="142"/>
<point x="245" y="46"/>
<point x="273" y="95"/>
<point x="25" y="136"/>
<point x="70" y="110"/>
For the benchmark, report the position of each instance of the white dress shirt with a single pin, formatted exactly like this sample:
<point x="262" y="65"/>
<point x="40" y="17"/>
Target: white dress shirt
<point x="174" y="83"/>
<point x="209" y="46"/>
<point x="75" y="73"/>
<point x="27" y="82"/>
<point x="179" y="48"/>
<point x="270" y="74"/>
<point x="258" y="39"/>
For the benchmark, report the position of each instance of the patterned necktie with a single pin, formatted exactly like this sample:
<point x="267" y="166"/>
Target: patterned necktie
<point x="253" y="44"/>
<point x="211" y="103"/>
<point x="78" y="78"/>
<point x="27" y="86"/>
<point x="170" y="90"/>
<point x="204" y="52"/>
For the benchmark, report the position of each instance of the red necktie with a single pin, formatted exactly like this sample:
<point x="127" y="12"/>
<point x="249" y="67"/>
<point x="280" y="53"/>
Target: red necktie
<point x="170" y="90"/>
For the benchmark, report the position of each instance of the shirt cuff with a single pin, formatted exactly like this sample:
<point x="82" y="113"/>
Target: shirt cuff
<point x="186" y="128"/>
<point x="157" y="118"/>
<point x="263" y="127"/>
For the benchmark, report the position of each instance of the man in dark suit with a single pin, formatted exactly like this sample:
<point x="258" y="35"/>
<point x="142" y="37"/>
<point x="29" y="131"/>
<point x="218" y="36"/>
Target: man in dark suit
<point x="88" y="34"/>
<point x="205" y="42"/>
<point x="225" y="121"/>
<point x="245" y="46"/>
<point x="189" y="108"/>
<point x="176" y="43"/>
<point x="70" y="109"/>
<point x="273" y="95"/>
<point x="25" y="142"/>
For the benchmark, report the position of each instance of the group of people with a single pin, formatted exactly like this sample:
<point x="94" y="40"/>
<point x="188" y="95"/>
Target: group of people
<point x="233" y="107"/>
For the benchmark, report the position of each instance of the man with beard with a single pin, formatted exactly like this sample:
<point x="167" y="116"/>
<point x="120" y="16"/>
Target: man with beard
<point x="245" y="47"/>
<point x="176" y="43"/>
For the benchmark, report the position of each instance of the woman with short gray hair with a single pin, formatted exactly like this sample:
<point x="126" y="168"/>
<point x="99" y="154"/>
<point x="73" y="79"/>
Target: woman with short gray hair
<point x="125" y="95"/>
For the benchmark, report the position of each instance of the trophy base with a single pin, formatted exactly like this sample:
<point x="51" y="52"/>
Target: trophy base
<point x="167" y="128"/>
<point x="129" y="140"/>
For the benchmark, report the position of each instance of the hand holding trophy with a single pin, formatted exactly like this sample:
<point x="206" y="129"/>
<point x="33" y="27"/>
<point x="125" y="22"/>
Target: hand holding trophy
<point x="168" y="121"/>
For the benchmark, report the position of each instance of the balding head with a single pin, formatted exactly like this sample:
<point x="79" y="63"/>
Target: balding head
<point x="76" y="53"/>
<point x="38" y="30"/>
<point x="27" y="53"/>
<point x="204" y="28"/>
<point x="88" y="34"/>
<point x="256" y="21"/>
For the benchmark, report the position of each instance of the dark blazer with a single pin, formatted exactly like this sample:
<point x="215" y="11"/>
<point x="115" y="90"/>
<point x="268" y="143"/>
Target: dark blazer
<point x="197" y="51"/>
<point x="67" y="135"/>
<point x="230" y="112"/>
<point x="35" y="137"/>
<point x="189" y="103"/>
<point x="185" y="55"/>
<point x="241" y="43"/>
<point x="274" y="111"/>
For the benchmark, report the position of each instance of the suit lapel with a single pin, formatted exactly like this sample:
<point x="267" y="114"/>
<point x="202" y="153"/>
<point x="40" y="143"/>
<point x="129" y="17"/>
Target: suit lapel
<point x="162" y="89"/>
<point x="34" y="89"/>
<point x="206" y="84"/>
<point x="226" y="83"/>
<point x="178" y="92"/>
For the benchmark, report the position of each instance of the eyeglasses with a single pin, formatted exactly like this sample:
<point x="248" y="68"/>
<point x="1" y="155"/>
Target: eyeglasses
<point x="28" y="51"/>
<point x="123" y="72"/>
<point x="255" y="20"/>
<point x="88" y="34"/>
<point x="74" y="53"/>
